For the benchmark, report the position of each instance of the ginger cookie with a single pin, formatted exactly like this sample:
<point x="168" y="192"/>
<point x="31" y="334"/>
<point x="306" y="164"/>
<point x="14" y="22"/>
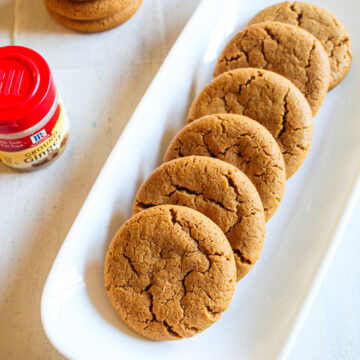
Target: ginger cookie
<point x="98" y="25"/>
<point x="242" y="142"/>
<point x="323" y="25"/>
<point x="267" y="97"/>
<point x="169" y="272"/>
<point x="87" y="10"/>
<point x="218" y="190"/>
<point x="285" y="49"/>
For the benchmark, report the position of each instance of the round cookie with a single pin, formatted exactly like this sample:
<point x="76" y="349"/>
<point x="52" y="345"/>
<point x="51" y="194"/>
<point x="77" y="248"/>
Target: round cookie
<point x="218" y="190"/>
<point x="242" y="142"/>
<point x="285" y="49"/>
<point x="87" y="10"/>
<point x="92" y="26"/>
<point x="267" y="97"/>
<point x="169" y="272"/>
<point x="323" y="25"/>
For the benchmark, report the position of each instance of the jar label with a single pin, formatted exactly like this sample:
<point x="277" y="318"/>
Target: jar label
<point x="37" y="149"/>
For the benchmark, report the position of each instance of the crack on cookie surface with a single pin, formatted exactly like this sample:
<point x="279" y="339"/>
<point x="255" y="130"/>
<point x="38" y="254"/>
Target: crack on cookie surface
<point x="242" y="258"/>
<point x="298" y="14"/>
<point x="285" y="114"/>
<point x="130" y="264"/>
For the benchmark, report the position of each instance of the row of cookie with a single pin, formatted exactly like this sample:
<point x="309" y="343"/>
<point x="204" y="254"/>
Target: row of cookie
<point x="169" y="272"/>
<point x="92" y="15"/>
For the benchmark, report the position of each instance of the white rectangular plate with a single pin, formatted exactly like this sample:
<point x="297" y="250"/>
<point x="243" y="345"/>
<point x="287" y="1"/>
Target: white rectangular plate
<point x="271" y="302"/>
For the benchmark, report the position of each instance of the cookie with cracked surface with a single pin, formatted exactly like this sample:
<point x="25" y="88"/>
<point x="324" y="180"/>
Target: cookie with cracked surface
<point x="87" y="10"/>
<point x="323" y="25"/>
<point x="169" y="272"/>
<point x="267" y="97"/>
<point x="242" y="142"/>
<point x="218" y="190"/>
<point x="98" y="25"/>
<point x="285" y="49"/>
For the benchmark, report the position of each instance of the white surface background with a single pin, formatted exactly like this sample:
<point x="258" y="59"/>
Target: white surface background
<point x="38" y="209"/>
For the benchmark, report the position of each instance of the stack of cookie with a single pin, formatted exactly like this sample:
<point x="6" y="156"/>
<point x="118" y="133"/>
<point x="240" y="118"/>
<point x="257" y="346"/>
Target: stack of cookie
<point x="92" y="15"/>
<point x="169" y="272"/>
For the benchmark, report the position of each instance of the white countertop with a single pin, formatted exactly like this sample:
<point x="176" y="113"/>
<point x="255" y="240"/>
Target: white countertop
<point x="38" y="209"/>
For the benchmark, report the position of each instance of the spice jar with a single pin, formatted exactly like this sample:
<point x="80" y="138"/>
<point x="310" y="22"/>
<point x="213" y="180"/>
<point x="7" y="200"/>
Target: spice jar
<point x="34" y="127"/>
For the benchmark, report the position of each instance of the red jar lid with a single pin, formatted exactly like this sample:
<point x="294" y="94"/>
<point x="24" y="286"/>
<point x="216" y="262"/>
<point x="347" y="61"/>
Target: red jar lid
<point x="27" y="89"/>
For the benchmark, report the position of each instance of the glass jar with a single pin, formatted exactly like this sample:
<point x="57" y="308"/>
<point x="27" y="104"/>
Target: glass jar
<point x="34" y="127"/>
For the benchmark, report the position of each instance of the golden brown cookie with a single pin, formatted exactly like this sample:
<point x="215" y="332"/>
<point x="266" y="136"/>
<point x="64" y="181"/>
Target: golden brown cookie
<point x="169" y="272"/>
<point x="92" y="26"/>
<point x="218" y="190"/>
<point x="87" y="10"/>
<point x="285" y="49"/>
<point x="267" y="97"/>
<point x="323" y="25"/>
<point x="242" y="142"/>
